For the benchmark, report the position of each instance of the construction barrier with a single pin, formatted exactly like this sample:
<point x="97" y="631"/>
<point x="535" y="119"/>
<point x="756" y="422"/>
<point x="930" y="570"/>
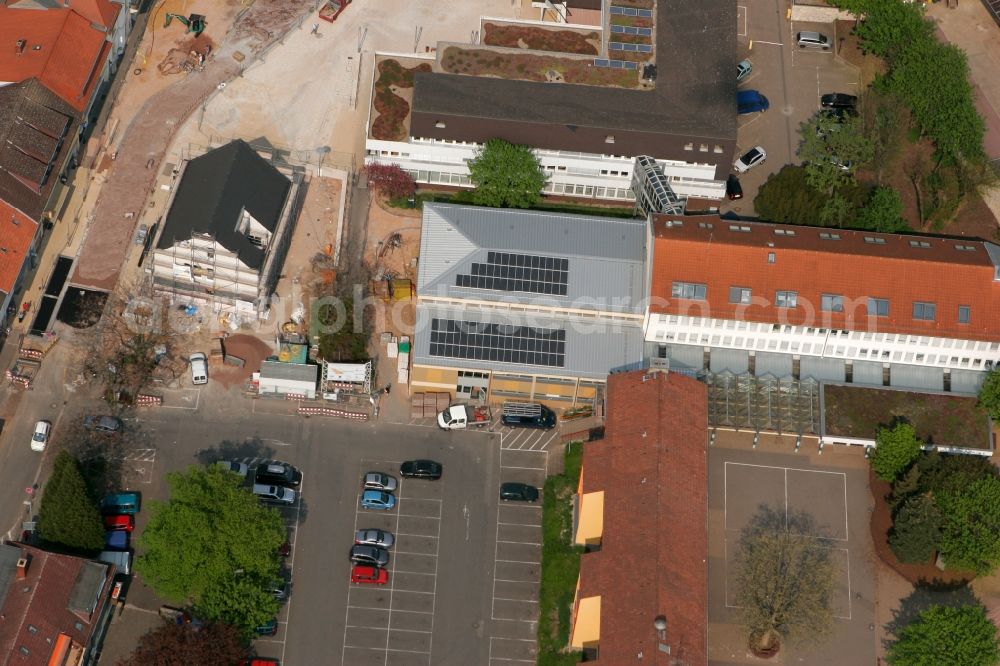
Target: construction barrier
<point x="295" y="396"/>
<point x="148" y="400"/>
<point x="326" y="411"/>
<point x="33" y="354"/>
<point x="18" y="379"/>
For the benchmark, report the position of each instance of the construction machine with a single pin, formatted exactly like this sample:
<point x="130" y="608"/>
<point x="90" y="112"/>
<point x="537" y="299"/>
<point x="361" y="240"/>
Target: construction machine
<point x="194" y="23"/>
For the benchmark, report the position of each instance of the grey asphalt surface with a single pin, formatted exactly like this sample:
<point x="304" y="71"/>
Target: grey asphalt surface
<point x="443" y="597"/>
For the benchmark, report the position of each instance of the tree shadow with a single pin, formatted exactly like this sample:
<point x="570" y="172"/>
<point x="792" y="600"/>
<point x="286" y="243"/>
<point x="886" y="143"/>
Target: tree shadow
<point x="924" y="595"/>
<point x="252" y="447"/>
<point x="771" y="520"/>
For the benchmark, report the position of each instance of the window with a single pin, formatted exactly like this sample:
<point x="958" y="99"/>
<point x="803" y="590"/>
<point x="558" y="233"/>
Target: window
<point x="770" y="257"/>
<point x="878" y="307"/>
<point x="786" y="299"/>
<point x="924" y="311"/>
<point x="875" y="240"/>
<point x="965" y="248"/>
<point x="440" y="124"/>
<point x="919" y="243"/>
<point x="689" y="290"/>
<point x="739" y="227"/>
<point x="964" y="313"/>
<point x="609" y="138"/>
<point x="703" y="148"/>
<point x="739" y="295"/>
<point x="784" y="232"/>
<point x="688" y="146"/>
<point x="705" y="225"/>
<point x="717" y="149"/>
<point x="825" y="236"/>
<point x="832" y="303"/>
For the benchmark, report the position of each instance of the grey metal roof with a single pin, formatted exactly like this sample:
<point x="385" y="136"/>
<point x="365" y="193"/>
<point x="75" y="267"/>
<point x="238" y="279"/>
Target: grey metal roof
<point x="300" y="372"/>
<point x="607" y="256"/>
<point x="593" y="348"/>
<point x="695" y="92"/>
<point x="215" y="189"/>
<point x="86" y="593"/>
<point x="9" y="555"/>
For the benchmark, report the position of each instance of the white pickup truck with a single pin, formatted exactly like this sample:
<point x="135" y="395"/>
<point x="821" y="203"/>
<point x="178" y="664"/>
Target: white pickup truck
<point x="459" y="417"/>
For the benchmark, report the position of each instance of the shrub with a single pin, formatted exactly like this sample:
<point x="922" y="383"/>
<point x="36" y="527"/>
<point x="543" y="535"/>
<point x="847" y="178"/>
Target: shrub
<point x="896" y="449"/>
<point x="390" y="180"/>
<point x="916" y="530"/>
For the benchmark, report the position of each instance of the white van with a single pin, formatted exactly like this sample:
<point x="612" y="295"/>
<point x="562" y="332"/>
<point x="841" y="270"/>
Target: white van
<point x="122" y="559"/>
<point x="199" y="368"/>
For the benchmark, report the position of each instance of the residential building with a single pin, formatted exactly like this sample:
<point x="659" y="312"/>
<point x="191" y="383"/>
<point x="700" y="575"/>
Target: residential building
<point x="227" y="230"/>
<point x="37" y="131"/>
<point x="902" y="310"/>
<point x="527" y="304"/>
<point x="19" y="236"/>
<point x="55" y="608"/>
<point x="642" y="517"/>
<point x="586" y="135"/>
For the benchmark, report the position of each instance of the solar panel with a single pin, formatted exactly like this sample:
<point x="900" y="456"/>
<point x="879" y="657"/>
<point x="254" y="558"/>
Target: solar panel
<point x="505" y="343"/>
<point x="644" y="32"/>
<point x="631" y="65"/>
<point x="504" y="271"/>
<point x="644" y="13"/>
<point x="645" y="48"/>
<point x="617" y="11"/>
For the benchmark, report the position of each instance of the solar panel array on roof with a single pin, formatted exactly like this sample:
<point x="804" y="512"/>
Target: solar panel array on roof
<point x="631" y="11"/>
<point x="615" y="64"/>
<point x="622" y="46"/>
<point x="504" y="271"/>
<point x="503" y="343"/>
<point x="631" y="30"/>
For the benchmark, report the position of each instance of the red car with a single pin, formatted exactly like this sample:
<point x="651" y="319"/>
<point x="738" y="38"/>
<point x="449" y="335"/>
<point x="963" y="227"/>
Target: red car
<point x="119" y="523"/>
<point x="367" y="575"/>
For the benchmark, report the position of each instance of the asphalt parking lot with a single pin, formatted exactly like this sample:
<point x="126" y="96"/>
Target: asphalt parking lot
<point x="792" y="79"/>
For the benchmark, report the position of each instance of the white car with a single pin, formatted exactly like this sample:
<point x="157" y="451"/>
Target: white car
<point x="40" y="437"/>
<point x="233" y="466"/>
<point x="750" y="159"/>
<point x="199" y="368"/>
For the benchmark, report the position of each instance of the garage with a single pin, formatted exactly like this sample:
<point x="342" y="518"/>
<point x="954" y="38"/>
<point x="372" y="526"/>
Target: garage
<point x="277" y="378"/>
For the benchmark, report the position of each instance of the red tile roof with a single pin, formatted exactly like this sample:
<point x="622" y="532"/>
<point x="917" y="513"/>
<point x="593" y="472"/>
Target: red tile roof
<point x="102" y="12"/>
<point x="37" y="609"/>
<point x="17" y="231"/>
<point x="652" y="467"/>
<point x="812" y="261"/>
<point x="62" y="49"/>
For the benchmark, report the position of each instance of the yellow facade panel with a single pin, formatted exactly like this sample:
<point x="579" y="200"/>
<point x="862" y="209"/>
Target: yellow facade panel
<point x="590" y="527"/>
<point x="587" y="628"/>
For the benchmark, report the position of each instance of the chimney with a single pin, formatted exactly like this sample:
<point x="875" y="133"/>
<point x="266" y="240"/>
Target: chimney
<point x="21" y="43"/>
<point x="22" y="566"/>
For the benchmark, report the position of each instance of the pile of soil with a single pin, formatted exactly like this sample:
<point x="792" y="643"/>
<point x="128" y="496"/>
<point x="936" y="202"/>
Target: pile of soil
<point x="252" y="350"/>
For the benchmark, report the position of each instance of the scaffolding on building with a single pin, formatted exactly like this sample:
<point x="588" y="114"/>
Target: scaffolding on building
<point x="766" y="403"/>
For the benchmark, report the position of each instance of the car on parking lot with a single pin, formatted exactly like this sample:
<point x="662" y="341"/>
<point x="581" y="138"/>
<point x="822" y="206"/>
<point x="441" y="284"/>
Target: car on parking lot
<point x="517" y="414"/>
<point x="141" y="233"/>
<point x="120" y="504"/>
<point x="277" y="473"/>
<point x="373" y="537"/>
<point x="269" y="628"/>
<point x="101" y="423"/>
<point x="199" y="368"/>
<point x="122" y="522"/>
<point x="278" y="589"/>
<point x="116" y="540"/>
<point x="838" y="101"/>
<point x="237" y="468"/>
<point x="379" y="481"/>
<point x="276" y="494"/>
<point x="812" y="40"/>
<point x="40" y="436"/>
<point x="733" y="188"/>
<point x="368" y="575"/>
<point x="751" y="101"/>
<point x="376" y="499"/>
<point x="743" y="69"/>
<point x="369" y="555"/>
<point x="420" y="469"/>
<point x="753" y="157"/>
<point x="518" y="492"/>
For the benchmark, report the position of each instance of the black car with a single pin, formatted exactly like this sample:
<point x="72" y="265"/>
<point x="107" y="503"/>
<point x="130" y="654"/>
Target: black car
<point x="527" y="415"/>
<point x="838" y="101"/>
<point x="371" y="555"/>
<point x="733" y="188"/>
<point x="420" y="469"/>
<point x="518" y="492"/>
<point x="102" y="423"/>
<point x="277" y="473"/>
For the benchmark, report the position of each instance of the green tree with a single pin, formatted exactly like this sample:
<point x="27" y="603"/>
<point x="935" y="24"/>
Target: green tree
<point x="171" y="644"/>
<point x="889" y="27"/>
<point x="948" y="473"/>
<point x="883" y="212"/>
<point x="784" y="582"/>
<point x="836" y="209"/>
<point x="970" y="532"/>
<point x="896" y="448"/>
<point x="68" y="516"/>
<point x="832" y="150"/>
<point x="989" y="394"/>
<point x="787" y="197"/>
<point x="962" y="636"/>
<point x="916" y="530"/>
<point x="209" y="544"/>
<point x="506" y="175"/>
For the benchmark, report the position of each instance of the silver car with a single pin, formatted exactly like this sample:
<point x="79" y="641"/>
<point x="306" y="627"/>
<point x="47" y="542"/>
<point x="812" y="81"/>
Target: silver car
<point x="750" y="159"/>
<point x="372" y="537"/>
<point x="238" y="468"/>
<point x="380" y="481"/>
<point x="275" y="494"/>
<point x="372" y="555"/>
<point x="812" y="40"/>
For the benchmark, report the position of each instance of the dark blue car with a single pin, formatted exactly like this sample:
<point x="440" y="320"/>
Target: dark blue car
<point x="751" y="101"/>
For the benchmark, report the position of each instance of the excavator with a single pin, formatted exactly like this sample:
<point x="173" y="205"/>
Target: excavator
<point x="194" y="23"/>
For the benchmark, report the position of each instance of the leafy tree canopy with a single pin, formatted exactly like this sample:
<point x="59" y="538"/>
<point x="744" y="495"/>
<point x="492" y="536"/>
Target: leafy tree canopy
<point x="962" y="636"/>
<point x="209" y="543"/>
<point x="883" y="212"/>
<point x="896" y="449"/>
<point x="833" y="149"/>
<point x="989" y="394"/>
<point x="171" y="644"/>
<point x="970" y="534"/>
<point x="506" y="175"/>
<point x="68" y="516"/>
<point x="916" y="530"/>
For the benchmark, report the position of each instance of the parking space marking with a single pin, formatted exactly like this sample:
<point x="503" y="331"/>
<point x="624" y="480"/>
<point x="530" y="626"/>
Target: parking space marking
<point x="410" y="515"/>
<point x="522" y="524"/>
<point x="518" y="561"/>
<point x="522" y="543"/>
<point x="422" y="536"/>
<point x="741" y="10"/>
<point x="540" y="469"/>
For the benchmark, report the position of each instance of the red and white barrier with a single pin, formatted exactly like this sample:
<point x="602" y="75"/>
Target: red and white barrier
<point x="326" y="411"/>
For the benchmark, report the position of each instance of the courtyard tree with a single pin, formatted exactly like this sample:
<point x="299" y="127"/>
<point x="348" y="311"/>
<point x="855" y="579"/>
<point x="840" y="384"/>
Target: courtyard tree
<point x="883" y="212"/>
<point x="506" y="175"/>
<point x="68" y="516"/>
<point x="832" y="150"/>
<point x="916" y="530"/>
<point x="172" y="644"/>
<point x="957" y="636"/>
<point x="213" y="546"/>
<point x="970" y="531"/>
<point x="989" y="394"/>
<point x="784" y="581"/>
<point x="896" y="448"/>
<point x="390" y="180"/>
<point x="787" y="197"/>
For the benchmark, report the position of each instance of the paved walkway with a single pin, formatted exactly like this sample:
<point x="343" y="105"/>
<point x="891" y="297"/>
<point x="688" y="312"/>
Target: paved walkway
<point x="140" y="153"/>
